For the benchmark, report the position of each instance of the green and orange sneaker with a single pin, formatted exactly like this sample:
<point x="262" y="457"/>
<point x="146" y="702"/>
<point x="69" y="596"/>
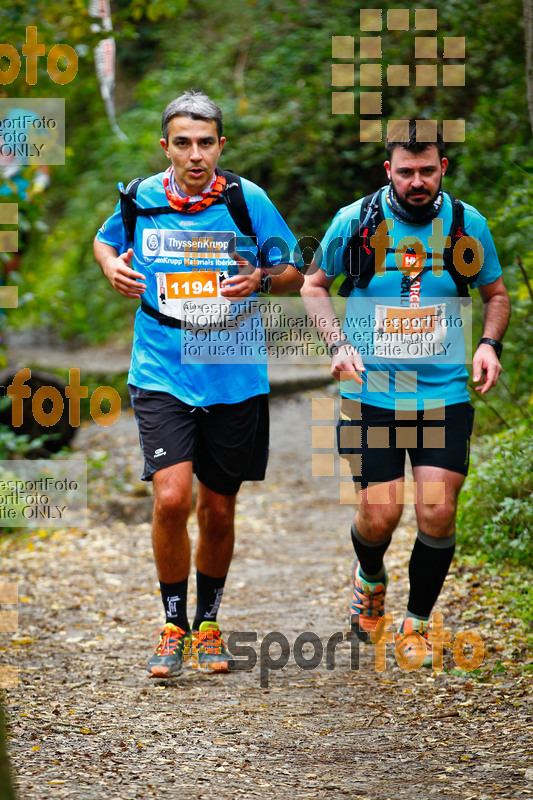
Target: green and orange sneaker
<point x="411" y="639"/>
<point x="368" y="604"/>
<point x="209" y="653"/>
<point x="167" y="661"/>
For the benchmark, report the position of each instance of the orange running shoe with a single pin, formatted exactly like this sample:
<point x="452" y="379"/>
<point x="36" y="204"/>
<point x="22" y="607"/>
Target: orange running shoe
<point x="209" y="653"/>
<point x="167" y="661"/>
<point x="368" y="603"/>
<point x="412" y="636"/>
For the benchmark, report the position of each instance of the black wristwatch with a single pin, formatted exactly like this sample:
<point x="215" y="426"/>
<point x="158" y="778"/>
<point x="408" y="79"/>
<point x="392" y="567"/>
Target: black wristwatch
<point x="498" y="346"/>
<point x="265" y="284"/>
<point x="335" y="346"/>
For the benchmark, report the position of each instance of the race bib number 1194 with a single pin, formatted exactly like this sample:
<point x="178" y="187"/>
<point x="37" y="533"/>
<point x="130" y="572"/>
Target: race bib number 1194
<point x="187" y="285"/>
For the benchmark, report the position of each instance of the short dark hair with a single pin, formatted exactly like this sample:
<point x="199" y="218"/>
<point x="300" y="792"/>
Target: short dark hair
<point x="195" y="105"/>
<point x="414" y="135"/>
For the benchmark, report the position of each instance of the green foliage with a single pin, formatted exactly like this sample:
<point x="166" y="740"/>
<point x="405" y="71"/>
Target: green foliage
<point x="268" y="64"/>
<point x="495" y="520"/>
<point x="14" y="445"/>
<point x="156" y="9"/>
<point x="495" y="516"/>
<point x="519" y="589"/>
<point x="512" y="228"/>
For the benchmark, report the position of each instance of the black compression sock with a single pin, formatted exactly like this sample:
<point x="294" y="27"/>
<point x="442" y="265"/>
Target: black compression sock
<point x="209" y="594"/>
<point x="428" y="567"/>
<point x="370" y="556"/>
<point x="174" y="597"/>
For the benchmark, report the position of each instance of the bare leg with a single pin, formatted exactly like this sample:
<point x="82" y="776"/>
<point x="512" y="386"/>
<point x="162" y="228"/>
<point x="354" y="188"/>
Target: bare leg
<point x="172" y="505"/>
<point x="379" y="511"/>
<point x="216" y="527"/>
<point x="437" y="492"/>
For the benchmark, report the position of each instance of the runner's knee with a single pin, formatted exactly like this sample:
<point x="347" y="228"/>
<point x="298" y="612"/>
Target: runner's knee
<point x="437" y="519"/>
<point x="172" y="502"/>
<point x="216" y="515"/>
<point x="377" y="522"/>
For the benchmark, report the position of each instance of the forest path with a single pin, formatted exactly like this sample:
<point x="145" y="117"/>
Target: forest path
<point x="86" y="723"/>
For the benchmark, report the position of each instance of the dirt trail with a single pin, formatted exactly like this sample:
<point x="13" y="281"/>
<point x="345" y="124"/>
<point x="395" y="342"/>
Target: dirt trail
<point x="85" y="723"/>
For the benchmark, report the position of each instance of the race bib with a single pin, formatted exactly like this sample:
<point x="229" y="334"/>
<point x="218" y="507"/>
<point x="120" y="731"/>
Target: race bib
<point x="187" y="285"/>
<point x="193" y="297"/>
<point x="203" y="258"/>
<point x="409" y="332"/>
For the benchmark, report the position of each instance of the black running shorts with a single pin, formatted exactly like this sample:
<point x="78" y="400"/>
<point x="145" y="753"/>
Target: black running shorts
<point x="227" y="443"/>
<point x="375" y="440"/>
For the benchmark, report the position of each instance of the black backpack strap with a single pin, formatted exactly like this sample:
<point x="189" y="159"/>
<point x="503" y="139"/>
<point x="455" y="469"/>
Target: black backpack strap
<point x="163" y="319"/>
<point x="233" y="197"/>
<point x="358" y="257"/>
<point x="128" y="207"/>
<point x="457" y="231"/>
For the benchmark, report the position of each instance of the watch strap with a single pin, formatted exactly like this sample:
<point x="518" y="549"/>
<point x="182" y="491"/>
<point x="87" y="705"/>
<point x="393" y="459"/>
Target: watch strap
<point x="498" y="346"/>
<point x="265" y="284"/>
<point x="335" y="346"/>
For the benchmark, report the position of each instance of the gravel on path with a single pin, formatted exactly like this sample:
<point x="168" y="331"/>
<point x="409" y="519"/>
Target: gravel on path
<point x="85" y="723"/>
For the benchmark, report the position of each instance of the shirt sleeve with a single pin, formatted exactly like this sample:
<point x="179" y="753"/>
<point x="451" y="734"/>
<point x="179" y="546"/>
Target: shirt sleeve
<point x="276" y="240"/>
<point x="331" y="248"/>
<point x="476" y="225"/>
<point x="491" y="269"/>
<point x="112" y="231"/>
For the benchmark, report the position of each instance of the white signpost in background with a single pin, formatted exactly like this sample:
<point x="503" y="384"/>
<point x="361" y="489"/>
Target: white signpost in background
<point x="104" y="60"/>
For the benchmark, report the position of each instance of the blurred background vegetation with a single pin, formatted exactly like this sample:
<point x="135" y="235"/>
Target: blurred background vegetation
<point x="267" y="63"/>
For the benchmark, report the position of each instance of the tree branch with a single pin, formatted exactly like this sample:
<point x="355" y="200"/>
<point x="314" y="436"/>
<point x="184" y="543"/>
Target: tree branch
<point x="524" y="273"/>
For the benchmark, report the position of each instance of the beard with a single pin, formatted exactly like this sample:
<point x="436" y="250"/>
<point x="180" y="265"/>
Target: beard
<point x="417" y="209"/>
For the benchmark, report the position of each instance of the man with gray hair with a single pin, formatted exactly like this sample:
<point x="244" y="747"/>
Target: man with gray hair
<point x="173" y="242"/>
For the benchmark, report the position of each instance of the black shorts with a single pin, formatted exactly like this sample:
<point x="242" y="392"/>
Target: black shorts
<point x="227" y="442"/>
<point x="375" y="440"/>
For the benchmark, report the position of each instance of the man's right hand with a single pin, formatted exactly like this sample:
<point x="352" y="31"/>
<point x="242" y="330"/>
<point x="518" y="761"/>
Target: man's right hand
<point x="346" y="364"/>
<point x="122" y="277"/>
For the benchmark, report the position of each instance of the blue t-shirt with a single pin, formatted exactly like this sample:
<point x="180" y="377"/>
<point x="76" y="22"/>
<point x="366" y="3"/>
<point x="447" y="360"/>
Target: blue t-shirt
<point x="408" y="324"/>
<point x="203" y="364"/>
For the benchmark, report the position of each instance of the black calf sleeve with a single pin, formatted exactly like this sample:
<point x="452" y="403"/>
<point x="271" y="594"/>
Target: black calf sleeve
<point x="370" y="554"/>
<point x="428" y="567"/>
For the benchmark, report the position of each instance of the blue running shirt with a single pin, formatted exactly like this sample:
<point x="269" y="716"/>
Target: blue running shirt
<point x="409" y="327"/>
<point x="165" y="247"/>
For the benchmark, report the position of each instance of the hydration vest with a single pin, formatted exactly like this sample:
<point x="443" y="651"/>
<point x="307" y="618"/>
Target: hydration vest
<point x="232" y="197"/>
<point x="358" y="258"/>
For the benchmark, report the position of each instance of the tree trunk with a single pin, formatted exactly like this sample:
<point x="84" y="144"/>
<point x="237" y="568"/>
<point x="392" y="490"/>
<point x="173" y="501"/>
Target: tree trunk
<point x="528" y="26"/>
<point x="6" y="788"/>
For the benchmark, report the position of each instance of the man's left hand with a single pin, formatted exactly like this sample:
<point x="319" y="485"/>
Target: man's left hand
<point x="245" y="283"/>
<point x="486" y="367"/>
